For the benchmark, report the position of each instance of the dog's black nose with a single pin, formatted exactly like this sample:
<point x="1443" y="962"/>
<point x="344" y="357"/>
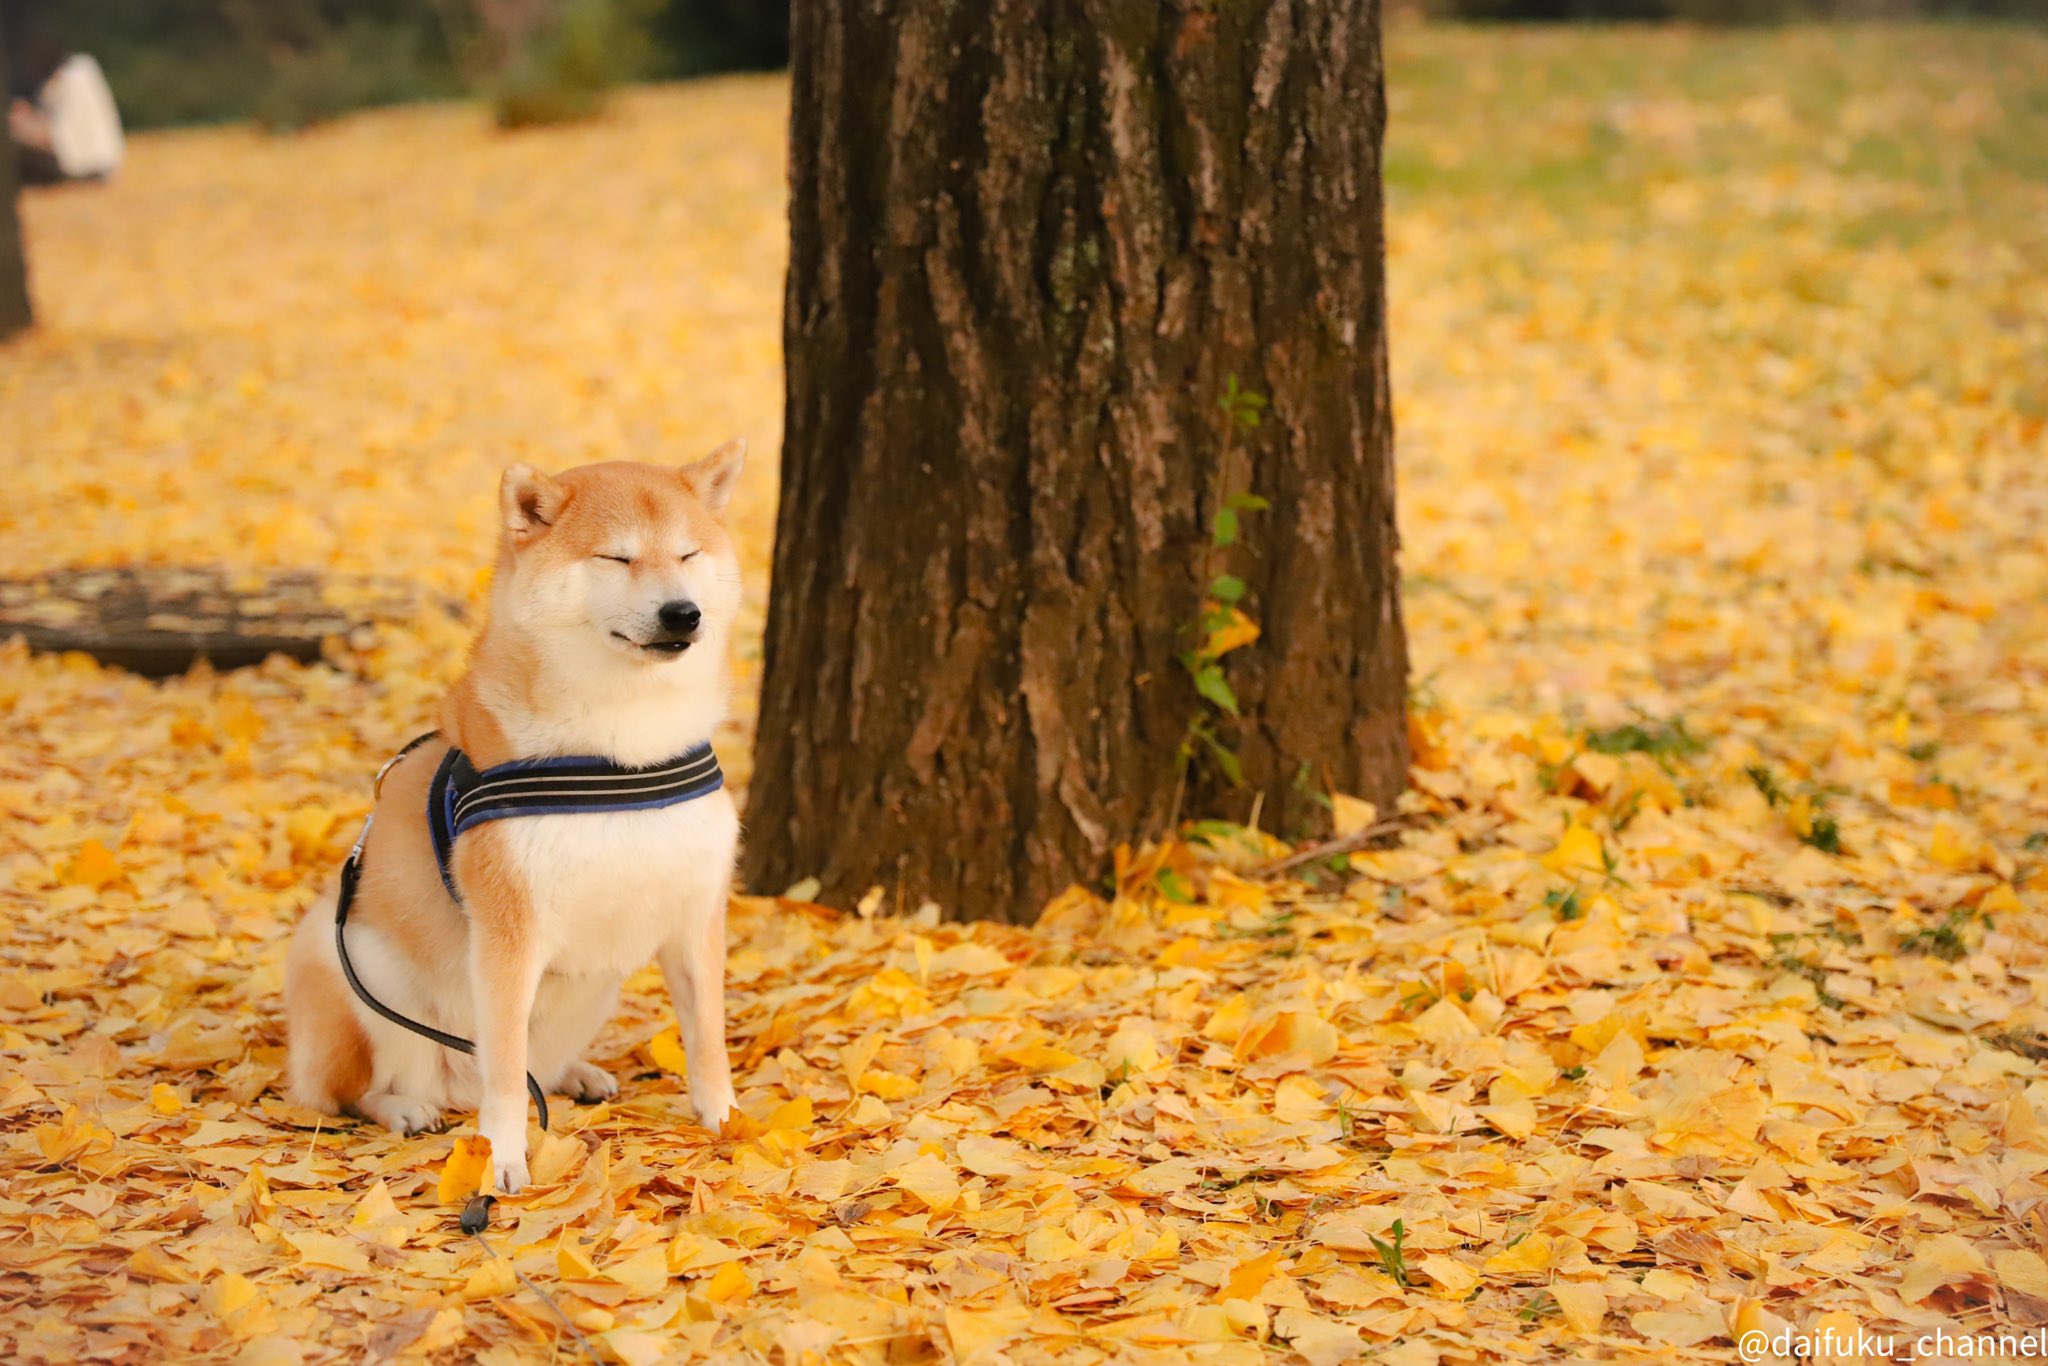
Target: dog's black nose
<point x="680" y="617"/>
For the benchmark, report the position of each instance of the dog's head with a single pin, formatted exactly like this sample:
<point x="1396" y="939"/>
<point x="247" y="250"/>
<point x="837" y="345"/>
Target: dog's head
<point x="625" y="558"/>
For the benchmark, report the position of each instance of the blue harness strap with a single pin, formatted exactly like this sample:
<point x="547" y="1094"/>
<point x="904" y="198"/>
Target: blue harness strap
<point x="463" y="797"/>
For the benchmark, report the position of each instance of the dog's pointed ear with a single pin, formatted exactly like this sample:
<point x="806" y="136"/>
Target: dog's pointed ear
<point x="718" y="474"/>
<point x="529" y="501"/>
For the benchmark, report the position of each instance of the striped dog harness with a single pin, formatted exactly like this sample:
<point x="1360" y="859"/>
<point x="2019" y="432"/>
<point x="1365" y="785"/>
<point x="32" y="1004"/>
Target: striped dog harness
<point x="463" y="797"/>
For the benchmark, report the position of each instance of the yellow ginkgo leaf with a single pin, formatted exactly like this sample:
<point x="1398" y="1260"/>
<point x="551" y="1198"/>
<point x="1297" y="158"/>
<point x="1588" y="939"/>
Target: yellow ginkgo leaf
<point x="795" y="1114"/>
<point x="888" y="1085"/>
<point x="729" y="1285"/>
<point x="1235" y="631"/>
<point x="1950" y="848"/>
<point x="1577" y="852"/>
<point x="666" y="1049"/>
<point x="573" y="1261"/>
<point x="466" y="1169"/>
<point x="1350" y="815"/>
<point x="1248" y="1277"/>
<point x="1583" y="1306"/>
<point x="93" y="866"/>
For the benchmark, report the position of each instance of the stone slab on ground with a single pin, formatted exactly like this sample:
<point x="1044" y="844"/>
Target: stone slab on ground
<point x="160" y="620"/>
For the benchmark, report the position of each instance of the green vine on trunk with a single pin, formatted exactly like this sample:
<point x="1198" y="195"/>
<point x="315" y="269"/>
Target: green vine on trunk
<point x="1223" y="625"/>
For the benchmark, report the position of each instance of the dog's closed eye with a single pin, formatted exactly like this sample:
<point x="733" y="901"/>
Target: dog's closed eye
<point x="615" y="559"/>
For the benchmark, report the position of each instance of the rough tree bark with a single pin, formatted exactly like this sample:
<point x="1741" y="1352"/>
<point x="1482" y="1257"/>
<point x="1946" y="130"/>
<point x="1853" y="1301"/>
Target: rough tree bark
<point x="15" y="313"/>
<point x="1032" y="242"/>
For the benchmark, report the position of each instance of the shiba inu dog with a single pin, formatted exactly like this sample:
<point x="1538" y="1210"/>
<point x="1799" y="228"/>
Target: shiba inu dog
<point x="610" y="613"/>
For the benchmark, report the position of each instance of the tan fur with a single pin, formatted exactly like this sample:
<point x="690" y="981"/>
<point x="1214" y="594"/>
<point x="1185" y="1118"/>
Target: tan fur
<point x="330" y="1054"/>
<point x="558" y="669"/>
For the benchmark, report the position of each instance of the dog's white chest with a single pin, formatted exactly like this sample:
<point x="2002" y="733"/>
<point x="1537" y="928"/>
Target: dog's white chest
<point x="609" y="888"/>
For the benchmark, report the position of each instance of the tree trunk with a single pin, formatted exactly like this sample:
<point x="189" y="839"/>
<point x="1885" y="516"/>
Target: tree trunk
<point x="14" y="307"/>
<point x="1034" y="243"/>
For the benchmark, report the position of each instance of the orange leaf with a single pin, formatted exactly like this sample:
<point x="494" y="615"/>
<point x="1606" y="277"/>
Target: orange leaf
<point x="1245" y="1282"/>
<point x="1238" y="630"/>
<point x="467" y="1168"/>
<point x="666" y="1049"/>
<point x="93" y="866"/>
<point x="730" y="1284"/>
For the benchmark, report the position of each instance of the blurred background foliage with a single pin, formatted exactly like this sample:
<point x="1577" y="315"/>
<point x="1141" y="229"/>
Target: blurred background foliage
<point x="1723" y="12"/>
<point x="289" y="63"/>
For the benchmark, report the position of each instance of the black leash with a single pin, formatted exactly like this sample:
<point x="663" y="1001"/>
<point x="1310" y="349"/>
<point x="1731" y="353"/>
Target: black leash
<point x="476" y="1217"/>
<point x="350" y="871"/>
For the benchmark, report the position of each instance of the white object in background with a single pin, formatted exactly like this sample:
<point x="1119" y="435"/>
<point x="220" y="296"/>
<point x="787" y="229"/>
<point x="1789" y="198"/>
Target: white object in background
<point x="85" y="127"/>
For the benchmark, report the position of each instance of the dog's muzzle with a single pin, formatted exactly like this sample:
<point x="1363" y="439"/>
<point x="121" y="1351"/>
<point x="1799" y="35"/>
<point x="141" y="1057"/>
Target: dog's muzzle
<point x="675" y="631"/>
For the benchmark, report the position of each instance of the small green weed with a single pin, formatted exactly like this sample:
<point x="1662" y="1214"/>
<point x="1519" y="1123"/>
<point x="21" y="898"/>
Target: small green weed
<point x="1787" y="961"/>
<point x="1394" y="1255"/>
<point x="1417" y="997"/>
<point x="1824" y="834"/>
<point x="1658" y="739"/>
<point x="1279" y="924"/>
<point x="1943" y="941"/>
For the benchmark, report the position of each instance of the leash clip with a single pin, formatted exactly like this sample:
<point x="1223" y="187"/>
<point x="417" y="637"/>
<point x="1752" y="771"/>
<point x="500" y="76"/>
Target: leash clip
<point x="476" y="1215"/>
<point x="355" y="853"/>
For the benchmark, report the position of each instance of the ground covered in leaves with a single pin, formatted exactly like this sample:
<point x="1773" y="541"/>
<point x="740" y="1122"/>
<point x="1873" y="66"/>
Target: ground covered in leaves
<point x="1701" y="990"/>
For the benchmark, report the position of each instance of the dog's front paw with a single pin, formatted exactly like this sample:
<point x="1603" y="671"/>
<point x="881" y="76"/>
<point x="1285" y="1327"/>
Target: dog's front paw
<point x="508" y="1172"/>
<point x="406" y="1115"/>
<point x="508" y="1153"/>
<point x="714" y="1111"/>
<point x="588" y="1083"/>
